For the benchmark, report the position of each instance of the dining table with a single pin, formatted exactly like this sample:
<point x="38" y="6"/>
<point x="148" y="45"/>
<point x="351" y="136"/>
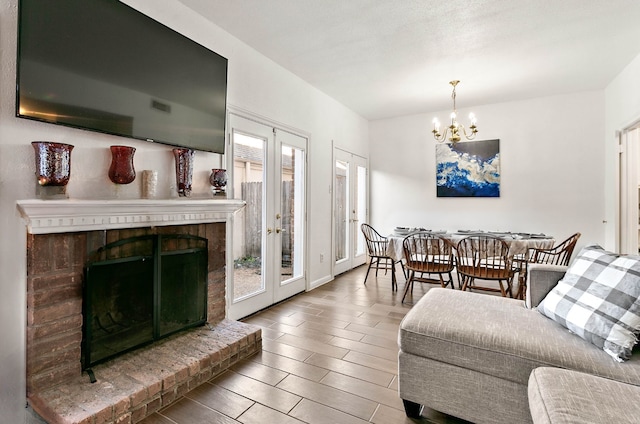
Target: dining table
<point x="519" y="243"/>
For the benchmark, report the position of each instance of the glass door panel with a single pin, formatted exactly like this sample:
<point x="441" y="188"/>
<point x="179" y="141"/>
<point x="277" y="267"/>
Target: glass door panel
<point x="360" y="212"/>
<point x="341" y="218"/>
<point x="292" y="219"/>
<point x="350" y="190"/>
<point x="248" y="267"/>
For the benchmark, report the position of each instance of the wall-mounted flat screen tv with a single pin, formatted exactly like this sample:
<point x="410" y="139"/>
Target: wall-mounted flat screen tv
<point x="101" y="65"/>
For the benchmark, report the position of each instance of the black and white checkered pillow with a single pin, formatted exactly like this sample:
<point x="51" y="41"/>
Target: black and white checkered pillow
<point x="598" y="299"/>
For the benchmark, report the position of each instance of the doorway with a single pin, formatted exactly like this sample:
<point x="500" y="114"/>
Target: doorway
<point x="350" y="200"/>
<point x="269" y="234"/>
<point x="629" y="185"/>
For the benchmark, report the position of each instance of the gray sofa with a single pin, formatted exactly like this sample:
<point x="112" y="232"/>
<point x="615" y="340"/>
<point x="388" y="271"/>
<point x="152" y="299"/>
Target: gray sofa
<point x="563" y="396"/>
<point x="472" y="355"/>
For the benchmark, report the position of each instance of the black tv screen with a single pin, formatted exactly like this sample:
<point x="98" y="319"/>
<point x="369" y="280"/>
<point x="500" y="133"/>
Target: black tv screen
<point x="101" y="65"/>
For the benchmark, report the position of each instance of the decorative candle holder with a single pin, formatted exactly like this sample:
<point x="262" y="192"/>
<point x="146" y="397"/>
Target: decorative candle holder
<point x="218" y="181"/>
<point x="53" y="163"/>
<point x="53" y="168"/>
<point x="121" y="170"/>
<point x="184" y="170"/>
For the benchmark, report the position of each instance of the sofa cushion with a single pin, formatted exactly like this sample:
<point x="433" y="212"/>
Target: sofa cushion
<point x="597" y="299"/>
<point x="558" y="396"/>
<point x="500" y="337"/>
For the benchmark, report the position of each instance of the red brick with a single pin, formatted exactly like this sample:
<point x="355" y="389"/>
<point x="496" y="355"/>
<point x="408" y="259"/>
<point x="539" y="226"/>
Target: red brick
<point x="182" y="375"/>
<point x="54" y="312"/>
<point x="104" y="416"/>
<point x="168" y="383"/>
<point x="168" y="397"/>
<point x="38" y="363"/>
<point x="139" y="398"/>
<point x="52" y="280"/>
<point x="205" y="362"/>
<point x="94" y="240"/>
<point x="154" y="389"/>
<point x="88" y="420"/>
<point x="39" y="254"/>
<point x="139" y="414"/>
<point x="79" y="258"/>
<point x="49" y="345"/>
<point x="71" y="323"/>
<point x="62" y="251"/>
<point x="121" y="407"/>
<point x="40" y="298"/>
<point x="51" y="378"/>
<point x="206" y="375"/>
<point x="154" y="405"/>
<point x="124" y="419"/>
<point x="182" y="389"/>
<point x="194" y="368"/>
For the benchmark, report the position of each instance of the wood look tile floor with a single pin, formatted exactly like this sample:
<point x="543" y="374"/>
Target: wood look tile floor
<point x="329" y="356"/>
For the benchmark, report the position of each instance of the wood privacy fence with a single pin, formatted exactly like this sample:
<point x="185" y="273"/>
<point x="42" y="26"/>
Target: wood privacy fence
<point x="252" y="194"/>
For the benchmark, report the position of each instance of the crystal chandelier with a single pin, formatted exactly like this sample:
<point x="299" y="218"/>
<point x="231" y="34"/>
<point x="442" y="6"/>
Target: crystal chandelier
<point x="454" y="129"/>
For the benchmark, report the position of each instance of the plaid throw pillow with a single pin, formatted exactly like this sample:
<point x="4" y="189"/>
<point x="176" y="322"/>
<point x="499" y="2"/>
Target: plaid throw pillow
<point x="597" y="299"/>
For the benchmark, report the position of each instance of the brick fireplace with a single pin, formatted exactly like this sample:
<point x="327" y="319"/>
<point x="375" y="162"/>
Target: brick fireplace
<point x="61" y="236"/>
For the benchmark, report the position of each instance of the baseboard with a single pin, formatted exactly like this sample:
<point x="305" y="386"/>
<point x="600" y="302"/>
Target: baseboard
<point x="319" y="282"/>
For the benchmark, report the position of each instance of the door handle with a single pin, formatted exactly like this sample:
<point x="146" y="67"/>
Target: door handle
<point x="269" y="231"/>
<point x="280" y="230"/>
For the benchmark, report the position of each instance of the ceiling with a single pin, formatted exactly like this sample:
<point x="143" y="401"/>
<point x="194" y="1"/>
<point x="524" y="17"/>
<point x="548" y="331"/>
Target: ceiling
<point x="385" y="58"/>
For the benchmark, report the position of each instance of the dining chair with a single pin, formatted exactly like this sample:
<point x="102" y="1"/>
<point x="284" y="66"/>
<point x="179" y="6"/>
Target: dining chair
<point x="377" y="246"/>
<point x="484" y="257"/>
<point x="560" y="254"/>
<point x="557" y="255"/>
<point x="424" y="254"/>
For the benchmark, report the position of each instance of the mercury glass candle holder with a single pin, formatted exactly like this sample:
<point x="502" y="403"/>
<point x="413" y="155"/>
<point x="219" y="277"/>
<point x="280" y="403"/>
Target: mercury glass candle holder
<point x="218" y="181"/>
<point x="121" y="170"/>
<point x="184" y="170"/>
<point x="53" y="163"/>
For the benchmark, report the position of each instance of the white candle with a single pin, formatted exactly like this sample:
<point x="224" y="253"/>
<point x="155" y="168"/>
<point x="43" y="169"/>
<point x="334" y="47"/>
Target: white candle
<point x="149" y="184"/>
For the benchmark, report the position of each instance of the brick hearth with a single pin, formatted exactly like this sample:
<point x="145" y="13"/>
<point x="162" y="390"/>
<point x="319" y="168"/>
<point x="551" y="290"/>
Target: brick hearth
<point x="136" y="384"/>
<point x="139" y="383"/>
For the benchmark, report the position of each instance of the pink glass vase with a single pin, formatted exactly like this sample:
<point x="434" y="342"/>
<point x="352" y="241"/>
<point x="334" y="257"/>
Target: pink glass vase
<point x="121" y="170"/>
<point x="218" y="180"/>
<point x="53" y="163"/>
<point x="184" y="170"/>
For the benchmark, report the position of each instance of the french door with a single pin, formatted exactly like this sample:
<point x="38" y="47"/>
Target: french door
<point x="350" y="199"/>
<point x="268" y="244"/>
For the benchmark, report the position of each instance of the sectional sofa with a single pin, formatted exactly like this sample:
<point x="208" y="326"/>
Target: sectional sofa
<point x="489" y="359"/>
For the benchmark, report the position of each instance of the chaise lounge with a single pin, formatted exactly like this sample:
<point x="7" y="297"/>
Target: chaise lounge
<point x="471" y="356"/>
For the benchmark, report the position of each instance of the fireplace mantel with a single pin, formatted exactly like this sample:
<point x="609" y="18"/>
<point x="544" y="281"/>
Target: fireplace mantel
<point x="72" y="215"/>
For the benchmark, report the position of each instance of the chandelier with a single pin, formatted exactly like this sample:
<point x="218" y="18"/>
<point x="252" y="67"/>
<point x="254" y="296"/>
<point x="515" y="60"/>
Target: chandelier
<point x="454" y="129"/>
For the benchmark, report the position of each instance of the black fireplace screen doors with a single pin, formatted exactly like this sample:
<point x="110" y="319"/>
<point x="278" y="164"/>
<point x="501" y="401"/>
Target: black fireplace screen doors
<point x="141" y="289"/>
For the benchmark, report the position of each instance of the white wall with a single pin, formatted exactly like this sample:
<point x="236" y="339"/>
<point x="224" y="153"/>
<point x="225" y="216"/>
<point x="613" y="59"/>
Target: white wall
<point x="255" y="84"/>
<point x="622" y="103"/>
<point x="552" y="170"/>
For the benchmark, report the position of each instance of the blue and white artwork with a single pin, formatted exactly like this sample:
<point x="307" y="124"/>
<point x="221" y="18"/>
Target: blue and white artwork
<point x="468" y="169"/>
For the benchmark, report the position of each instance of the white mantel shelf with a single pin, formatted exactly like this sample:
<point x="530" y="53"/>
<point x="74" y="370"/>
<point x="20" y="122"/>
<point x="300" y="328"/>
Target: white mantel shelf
<point x="73" y="215"/>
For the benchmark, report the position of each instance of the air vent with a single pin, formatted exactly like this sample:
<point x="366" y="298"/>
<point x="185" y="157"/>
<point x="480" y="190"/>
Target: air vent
<point x="161" y="106"/>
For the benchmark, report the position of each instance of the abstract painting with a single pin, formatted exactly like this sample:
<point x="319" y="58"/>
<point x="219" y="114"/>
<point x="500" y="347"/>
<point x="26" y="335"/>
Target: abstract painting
<point x="468" y="169"/>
